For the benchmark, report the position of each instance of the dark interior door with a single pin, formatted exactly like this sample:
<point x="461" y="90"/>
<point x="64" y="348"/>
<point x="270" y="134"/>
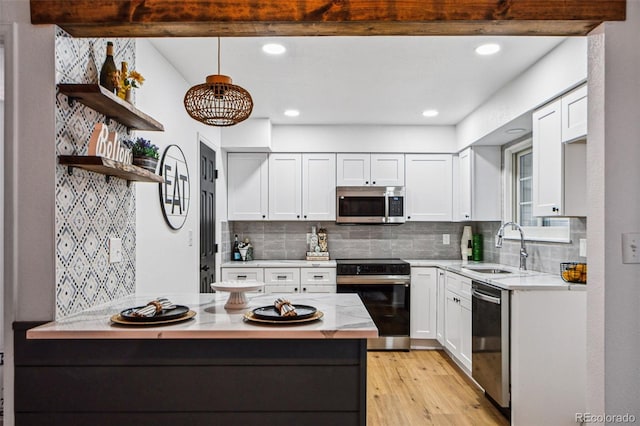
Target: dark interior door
<point x="207" y="218"/>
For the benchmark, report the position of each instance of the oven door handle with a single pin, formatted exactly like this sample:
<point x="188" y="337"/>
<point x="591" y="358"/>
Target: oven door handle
<point x="358" y="279"/>
<point x="485" y="297"/>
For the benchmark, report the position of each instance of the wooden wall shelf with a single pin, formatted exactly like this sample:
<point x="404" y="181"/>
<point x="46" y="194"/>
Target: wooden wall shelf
<point x="100" y="99"/>
<point x="109" y="167"/>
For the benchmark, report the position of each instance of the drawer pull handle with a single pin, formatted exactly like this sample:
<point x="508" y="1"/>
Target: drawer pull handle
<point x="242" y="277"/>
<point x="282" y="277"/>
<point x="318" y="277"/>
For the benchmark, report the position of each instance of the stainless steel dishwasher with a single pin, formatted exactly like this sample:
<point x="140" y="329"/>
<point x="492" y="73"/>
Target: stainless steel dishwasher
<point x="490" y="342"/>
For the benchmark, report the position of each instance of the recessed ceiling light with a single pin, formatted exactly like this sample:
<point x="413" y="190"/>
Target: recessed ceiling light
<point x="488" y="49"/>
<point x="292" y="113"/>
<point x="274" y="49"/>
<point x="515" y="131"/>
<point x="430" y="113"/>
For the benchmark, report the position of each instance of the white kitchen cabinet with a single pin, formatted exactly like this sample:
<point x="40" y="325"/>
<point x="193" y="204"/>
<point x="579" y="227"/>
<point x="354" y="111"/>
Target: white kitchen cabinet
<point x="370" y="169"/>
<point x="457" y="320"/>
<point x="247" y="186"/>
<point x="559" y="170"/>
<point x="574" y="114"/>
<point x="429" y="187"/>
<point x="478" y="180"/>
<point x="319" y="186"/>
<point x="287" y="279"/>
<point x="285" y="186"/>
<point x="441" y="296"/>
<point x="302" y="186"/>
<point x="423" y="303"/>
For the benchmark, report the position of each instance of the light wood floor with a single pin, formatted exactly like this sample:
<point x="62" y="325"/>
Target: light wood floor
<point x="423" y="388"/>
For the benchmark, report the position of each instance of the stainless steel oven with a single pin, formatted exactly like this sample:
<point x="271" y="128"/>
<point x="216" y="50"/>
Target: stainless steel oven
<point x="370" y="204"/>
<point x="384" y="287"/>
<point x="490" y="342"/>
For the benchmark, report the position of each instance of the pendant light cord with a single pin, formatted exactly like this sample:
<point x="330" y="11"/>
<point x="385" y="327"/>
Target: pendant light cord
<point x="218" y="55"/>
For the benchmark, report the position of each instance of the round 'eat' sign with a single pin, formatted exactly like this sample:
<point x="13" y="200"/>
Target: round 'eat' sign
<point x="175" y="191"/>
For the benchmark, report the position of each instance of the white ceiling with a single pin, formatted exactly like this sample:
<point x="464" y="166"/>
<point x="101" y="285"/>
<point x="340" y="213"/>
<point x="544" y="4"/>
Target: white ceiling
<point x="360" y="80"/>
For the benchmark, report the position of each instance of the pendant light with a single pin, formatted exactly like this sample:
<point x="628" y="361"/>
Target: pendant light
<point x="218" y="102"/>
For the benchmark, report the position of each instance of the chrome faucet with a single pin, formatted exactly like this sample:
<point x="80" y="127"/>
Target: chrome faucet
<point x="523" y="250"/>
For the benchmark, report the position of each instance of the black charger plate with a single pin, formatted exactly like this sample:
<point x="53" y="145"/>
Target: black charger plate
<point x="271" y="313"/>
<point x="164" y="315"/>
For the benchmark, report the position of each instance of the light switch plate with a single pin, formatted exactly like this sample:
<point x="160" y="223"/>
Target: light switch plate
<point x="583" y="247"/>
<point x="115" y="250"/>
<point x="446" y="239"/>
<point x="631" y="247"/>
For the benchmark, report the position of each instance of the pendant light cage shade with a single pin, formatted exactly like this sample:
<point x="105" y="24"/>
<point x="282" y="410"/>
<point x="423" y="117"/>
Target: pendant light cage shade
<point x="218" y="102"/>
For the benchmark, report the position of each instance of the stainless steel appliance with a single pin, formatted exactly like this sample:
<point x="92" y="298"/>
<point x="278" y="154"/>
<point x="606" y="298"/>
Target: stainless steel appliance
<point x="370" y="204"/>
<point x="490" y="342"/>
<point x="384" y="287"/>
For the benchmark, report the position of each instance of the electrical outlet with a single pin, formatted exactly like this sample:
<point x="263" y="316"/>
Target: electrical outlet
<point x="115" y="250"/>
<point x="583" y="247"/>
<point x="446" y="239"/>
<point x="631" y="247"/>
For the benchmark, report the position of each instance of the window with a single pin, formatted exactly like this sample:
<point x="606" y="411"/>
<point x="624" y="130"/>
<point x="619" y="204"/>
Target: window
<point x="518" y="191"/>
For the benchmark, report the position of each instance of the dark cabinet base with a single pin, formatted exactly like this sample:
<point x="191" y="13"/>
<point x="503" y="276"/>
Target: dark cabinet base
<point x="191" y="382"/>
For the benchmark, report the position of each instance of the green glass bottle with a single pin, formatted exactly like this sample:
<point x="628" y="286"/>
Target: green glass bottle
<point x="108" y="69"/>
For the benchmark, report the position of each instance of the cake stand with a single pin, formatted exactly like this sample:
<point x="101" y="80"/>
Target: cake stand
<point x="237" y="298"/>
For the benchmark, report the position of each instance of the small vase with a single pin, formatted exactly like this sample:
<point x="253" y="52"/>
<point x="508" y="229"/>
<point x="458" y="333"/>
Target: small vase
<point x="128" y="96"/>
<point x="147" y="163"/>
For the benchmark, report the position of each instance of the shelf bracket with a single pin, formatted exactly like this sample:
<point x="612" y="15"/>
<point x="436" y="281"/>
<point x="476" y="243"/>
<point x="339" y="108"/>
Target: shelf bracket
<point x="107" y="121"/>
<point x="70" y="170"/>
<point x="128" y="183"/>
<point x="71" y="101"/>
<point x="107" y="178"/>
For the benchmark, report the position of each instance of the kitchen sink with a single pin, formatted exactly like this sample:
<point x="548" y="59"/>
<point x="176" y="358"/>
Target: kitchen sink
<point x="489" y="270"/>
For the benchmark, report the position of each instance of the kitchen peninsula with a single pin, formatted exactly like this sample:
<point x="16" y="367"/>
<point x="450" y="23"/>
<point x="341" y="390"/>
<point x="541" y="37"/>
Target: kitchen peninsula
<point x="215" y="368"/>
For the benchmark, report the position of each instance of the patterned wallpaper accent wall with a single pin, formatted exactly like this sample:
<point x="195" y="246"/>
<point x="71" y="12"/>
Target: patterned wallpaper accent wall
<point x="89" y="210"/>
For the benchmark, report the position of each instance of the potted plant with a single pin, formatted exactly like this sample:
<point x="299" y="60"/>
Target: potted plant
<point x="145" y="154"/>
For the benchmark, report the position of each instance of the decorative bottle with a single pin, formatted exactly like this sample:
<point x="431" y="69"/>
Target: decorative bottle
<point x="313" y="240"/>
<point x="108" y="70"/>
<point x="123" y="91"/>
<point x="464" y="243"/>
<point x="235" y="254"/>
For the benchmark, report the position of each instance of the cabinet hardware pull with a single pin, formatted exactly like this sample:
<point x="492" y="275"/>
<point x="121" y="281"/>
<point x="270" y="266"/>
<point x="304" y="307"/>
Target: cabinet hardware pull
<point x="366" y="182"/>
<point x="304" y="289"/>
<point x="282" y="277"/>
<point x="317" y="277"/>
<point x="241" y="277"/>
<point x="373" y="183"/>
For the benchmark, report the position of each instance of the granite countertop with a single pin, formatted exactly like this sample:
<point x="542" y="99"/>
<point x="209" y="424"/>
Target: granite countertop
<point x="514" y="280"/>
<point x="345" y="317"/>
<point x="281" y="264"/>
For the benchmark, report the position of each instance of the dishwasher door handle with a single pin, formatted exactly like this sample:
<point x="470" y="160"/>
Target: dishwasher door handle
<point x="485" y="297"/>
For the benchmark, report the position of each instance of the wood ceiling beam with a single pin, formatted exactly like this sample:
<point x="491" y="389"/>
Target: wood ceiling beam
<point x="204" y="18"/>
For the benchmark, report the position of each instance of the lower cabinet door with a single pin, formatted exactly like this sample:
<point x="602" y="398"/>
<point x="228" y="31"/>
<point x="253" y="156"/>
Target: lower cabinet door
<point x="441" y="297"/>
<point x="465" y="333"/>
<point x="452" y="323"/>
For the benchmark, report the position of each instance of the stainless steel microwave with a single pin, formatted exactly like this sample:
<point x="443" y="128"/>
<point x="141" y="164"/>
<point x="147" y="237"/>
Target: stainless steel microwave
<point x="370" y="204"/>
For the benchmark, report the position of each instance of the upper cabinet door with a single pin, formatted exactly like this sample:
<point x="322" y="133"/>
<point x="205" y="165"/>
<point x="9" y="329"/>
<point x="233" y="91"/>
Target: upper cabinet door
<point x="247" y="186"/>
<point x="429" y="187"/>
<point x="285" y="190"/>
<point x="319" y="186"/>
<point x="547" y="160"/>
<point x="387" y="169"/>
<point x="353" y="169"/>
<point x="574" y="115"/>
<point x="464" y="182"/>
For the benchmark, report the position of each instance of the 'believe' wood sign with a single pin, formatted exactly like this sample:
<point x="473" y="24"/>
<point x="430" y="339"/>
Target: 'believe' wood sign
<point x="104" y="143"/>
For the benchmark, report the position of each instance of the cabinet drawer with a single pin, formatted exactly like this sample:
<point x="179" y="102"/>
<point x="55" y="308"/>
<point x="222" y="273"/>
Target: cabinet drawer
<point x="318" y="276"/>
<point x="282" y="276"/>
<point x="465" y="287"/>
<point x="313" y="288"/>
<point x="242" y="274"/>
<point x="281" y="288"/>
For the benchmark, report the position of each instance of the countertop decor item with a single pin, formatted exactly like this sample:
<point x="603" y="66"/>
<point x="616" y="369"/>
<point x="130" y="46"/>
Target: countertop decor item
<point x="126" y="80"/>
<point x="574" y="272"/>
<point x="237" y="298"/>
<point x="218" y="102"/>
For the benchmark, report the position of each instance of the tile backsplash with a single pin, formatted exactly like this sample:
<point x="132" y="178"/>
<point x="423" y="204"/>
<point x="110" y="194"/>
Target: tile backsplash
<point x="414" y="240"/>
<point x="89" y="210"/>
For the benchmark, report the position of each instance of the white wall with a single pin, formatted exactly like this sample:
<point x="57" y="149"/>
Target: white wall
<point x="165" y="261"/>
<point x="358" y="138"/>
<point x="614" y="208"/>
<point x="563" y="68"/>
